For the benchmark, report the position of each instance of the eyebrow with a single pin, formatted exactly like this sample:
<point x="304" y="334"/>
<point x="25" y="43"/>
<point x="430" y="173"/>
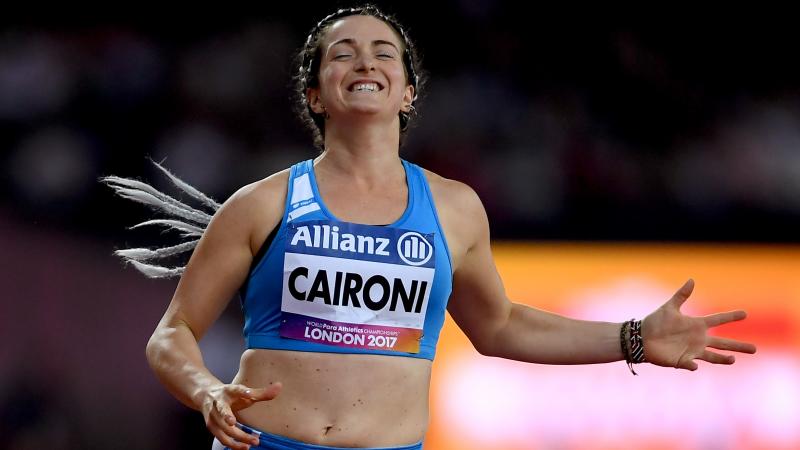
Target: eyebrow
<point x="375" y="43"/>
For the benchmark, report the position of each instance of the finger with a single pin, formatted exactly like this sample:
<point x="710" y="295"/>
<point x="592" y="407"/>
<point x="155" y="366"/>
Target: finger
<point x="716" y="358"/>
<point x="218" y="427"/>
<point x="266" y="393"/>
<point x="714" y="320"/>
<point x="225" y="413"/>
<point x="687" y="364"/>
<point x="730" y="344"/>
<point x="682" y="294"/>
<point x="256" y="394"/>
<point x="240" y="391"/>
<point x="225" y="423"/>
<point x="241" y="397"/>
<point x="229" y="442"/>
<point x="242" y="436"/>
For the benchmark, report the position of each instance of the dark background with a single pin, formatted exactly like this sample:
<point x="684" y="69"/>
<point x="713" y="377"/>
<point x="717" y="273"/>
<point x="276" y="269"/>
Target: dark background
<point x="571" y="125"/>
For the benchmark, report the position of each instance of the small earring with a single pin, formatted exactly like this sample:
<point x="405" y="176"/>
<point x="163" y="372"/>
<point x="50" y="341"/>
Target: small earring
<point x="325" y="111"/>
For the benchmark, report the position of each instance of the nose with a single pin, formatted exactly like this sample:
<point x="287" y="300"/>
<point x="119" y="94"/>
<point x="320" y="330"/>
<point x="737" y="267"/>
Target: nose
<point x="364" y="62"/>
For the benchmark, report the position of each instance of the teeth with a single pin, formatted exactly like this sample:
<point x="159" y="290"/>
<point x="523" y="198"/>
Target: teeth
<point x="366" y="87"/>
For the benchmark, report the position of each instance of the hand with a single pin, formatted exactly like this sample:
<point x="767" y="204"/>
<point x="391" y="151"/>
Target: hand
<point x="219" y="404"/>
<point x="672" y="339"/>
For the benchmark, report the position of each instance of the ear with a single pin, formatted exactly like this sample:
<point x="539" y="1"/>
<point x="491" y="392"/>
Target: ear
<point x="408" y="98"/>
<point x="314" y="101"/>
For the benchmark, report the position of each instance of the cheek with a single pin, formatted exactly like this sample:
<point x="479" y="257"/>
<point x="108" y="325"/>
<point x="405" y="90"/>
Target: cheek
<point x="330" y="77"/>
<point x="398" y="79"/>
<point x="399" y="74"/>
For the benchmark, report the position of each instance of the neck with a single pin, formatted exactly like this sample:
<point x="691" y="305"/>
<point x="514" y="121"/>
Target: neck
<point x="362" y="151"/>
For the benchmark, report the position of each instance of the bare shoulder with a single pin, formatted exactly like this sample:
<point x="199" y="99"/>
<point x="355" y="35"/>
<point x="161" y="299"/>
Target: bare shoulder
<point x="461" y="213"/>
<point x="454" y="195"/>
<point x="270" y="189"/>
<point x="261" y="204"/>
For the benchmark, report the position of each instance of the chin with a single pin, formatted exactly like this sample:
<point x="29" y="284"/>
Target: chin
<point x="366" y="111"/>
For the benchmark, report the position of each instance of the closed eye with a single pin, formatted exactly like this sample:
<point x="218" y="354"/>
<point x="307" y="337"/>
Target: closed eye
<point x="382" y="55"/>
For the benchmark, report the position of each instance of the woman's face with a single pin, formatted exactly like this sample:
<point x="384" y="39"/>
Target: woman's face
<point x="361" y="71"/>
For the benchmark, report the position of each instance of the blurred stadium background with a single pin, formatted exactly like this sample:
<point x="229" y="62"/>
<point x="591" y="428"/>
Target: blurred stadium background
<point x="615" y="160"/>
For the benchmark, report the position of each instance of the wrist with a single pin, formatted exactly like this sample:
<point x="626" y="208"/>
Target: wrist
<point x="632" y="343"/>
<point x="203" y="397"/>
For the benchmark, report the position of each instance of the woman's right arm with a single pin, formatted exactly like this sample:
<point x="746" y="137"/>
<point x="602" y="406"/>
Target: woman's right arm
<point x="217" y="268"/>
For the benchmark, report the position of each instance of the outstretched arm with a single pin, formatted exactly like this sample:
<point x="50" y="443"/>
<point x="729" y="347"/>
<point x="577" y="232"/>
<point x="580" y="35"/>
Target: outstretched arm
<point x="498" y="327"/>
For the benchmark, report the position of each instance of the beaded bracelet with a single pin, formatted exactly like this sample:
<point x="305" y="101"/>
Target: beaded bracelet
<point x="623" y="333"/>
<point x="630" y="336"/>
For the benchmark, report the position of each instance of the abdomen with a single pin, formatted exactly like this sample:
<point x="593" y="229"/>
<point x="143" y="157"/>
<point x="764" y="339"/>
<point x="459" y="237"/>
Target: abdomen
<point x="339" y="400"/>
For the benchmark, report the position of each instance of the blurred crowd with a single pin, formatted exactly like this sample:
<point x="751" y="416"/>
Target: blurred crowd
<point x="567" y="131"/>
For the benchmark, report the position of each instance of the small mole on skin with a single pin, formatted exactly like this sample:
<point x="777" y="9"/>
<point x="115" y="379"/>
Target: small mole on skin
<point x="317" y="370"/>
<point x="354" y="404"/>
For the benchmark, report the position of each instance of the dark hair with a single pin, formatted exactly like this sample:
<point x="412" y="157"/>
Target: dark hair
<point x="307" y="64"/>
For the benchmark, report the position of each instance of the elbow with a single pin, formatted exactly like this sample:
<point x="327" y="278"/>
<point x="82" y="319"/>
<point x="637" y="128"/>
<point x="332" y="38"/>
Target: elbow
<point x="153" y="348"/>
<point x="150" y="350"/>
<point x="495" y="338"/>
<point x="492" y="339"/>
<point x="484" y="345"/>
<point x="483" y="350"/>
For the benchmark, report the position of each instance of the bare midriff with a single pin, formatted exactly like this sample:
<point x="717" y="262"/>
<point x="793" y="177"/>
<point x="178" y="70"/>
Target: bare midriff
<point x="338" y="400"/>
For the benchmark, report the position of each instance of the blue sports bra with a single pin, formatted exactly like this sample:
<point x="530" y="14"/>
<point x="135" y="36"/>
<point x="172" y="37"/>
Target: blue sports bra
<point x="324" y="285"/>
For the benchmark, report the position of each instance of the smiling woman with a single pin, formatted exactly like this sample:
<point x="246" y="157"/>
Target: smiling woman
<point x="358" y="68"/>
<point x="326" y="44"/>
<point x="346" y="265"/>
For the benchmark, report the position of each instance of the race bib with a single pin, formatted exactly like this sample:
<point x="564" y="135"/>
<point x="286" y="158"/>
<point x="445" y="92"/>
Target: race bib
<point x="353" y="285"/>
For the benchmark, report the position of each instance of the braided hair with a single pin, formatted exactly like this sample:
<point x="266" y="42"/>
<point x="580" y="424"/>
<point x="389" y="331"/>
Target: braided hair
<point x="308" y="61"/>
<point x="190" y="221"/>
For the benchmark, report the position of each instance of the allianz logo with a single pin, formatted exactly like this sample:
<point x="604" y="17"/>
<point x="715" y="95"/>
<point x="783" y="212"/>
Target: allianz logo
<point x="412" y="247"/>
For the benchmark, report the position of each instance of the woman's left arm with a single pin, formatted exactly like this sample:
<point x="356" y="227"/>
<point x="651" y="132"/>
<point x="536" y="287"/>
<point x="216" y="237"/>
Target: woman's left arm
<point x="498" y="327"/>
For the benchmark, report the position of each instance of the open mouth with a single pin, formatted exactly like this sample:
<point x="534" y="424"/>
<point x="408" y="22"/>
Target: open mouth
<point x="360" y="86"/>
